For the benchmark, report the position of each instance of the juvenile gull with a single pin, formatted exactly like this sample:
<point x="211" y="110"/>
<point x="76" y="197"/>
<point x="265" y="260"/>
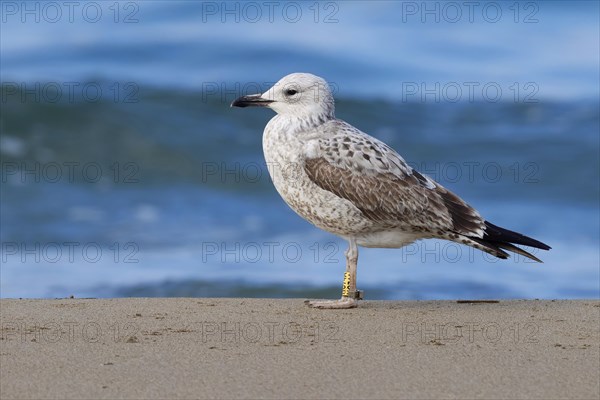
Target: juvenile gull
<point x="355" y="186"/>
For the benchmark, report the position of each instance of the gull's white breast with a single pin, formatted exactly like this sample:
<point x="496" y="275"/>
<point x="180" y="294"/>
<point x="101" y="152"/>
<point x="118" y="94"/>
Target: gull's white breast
<point x="285" y="152"/>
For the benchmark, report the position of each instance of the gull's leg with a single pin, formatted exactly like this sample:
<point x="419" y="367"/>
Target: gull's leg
<point x="349" y="293"/>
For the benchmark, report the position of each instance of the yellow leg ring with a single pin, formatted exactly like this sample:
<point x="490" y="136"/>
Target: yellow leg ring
<point x="346" y="285"/>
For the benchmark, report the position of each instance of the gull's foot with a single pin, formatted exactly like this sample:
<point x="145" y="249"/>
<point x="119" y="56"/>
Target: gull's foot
<point x="344" y="302"/>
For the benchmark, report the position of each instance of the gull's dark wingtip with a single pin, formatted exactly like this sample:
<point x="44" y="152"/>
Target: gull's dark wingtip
<point x="498" y="239"/>
<point x="495" y="233"/>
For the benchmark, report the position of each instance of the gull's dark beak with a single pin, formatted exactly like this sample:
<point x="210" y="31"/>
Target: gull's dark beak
<point x="252" y="100"/>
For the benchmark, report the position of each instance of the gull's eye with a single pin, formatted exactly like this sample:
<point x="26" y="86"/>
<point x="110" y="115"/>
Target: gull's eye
<point x="291" y="92"/>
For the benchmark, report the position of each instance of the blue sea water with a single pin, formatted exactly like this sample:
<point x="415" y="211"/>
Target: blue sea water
<point x="125" y="172"/>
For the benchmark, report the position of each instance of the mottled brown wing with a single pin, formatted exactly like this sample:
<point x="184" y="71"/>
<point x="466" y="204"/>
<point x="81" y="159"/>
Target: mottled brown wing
<point x="397" y="201"/>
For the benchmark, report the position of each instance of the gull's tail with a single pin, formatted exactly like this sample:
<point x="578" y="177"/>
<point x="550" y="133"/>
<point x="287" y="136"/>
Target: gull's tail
<point x="495" y="239"/>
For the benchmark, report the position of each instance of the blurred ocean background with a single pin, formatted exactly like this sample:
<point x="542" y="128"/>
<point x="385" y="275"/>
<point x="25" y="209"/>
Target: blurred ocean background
<point x="125" y="172"/>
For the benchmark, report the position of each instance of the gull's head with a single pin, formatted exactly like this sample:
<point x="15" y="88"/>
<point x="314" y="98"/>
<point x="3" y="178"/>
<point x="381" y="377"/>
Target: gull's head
<point x="297" y="95"/>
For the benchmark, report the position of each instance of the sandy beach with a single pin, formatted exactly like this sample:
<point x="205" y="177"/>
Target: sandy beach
<point x="280" y="349"/>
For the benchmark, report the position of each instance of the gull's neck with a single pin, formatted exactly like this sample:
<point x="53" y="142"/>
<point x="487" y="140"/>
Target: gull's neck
<point x="300" y="123"/>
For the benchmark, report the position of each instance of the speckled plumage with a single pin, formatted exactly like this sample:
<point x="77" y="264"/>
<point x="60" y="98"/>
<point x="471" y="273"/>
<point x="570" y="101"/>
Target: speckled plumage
<point x="349" y="183"/>
<point x="353" y="185"/>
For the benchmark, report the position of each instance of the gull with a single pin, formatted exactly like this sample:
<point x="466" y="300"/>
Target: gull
<point x="355" y="186"/>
